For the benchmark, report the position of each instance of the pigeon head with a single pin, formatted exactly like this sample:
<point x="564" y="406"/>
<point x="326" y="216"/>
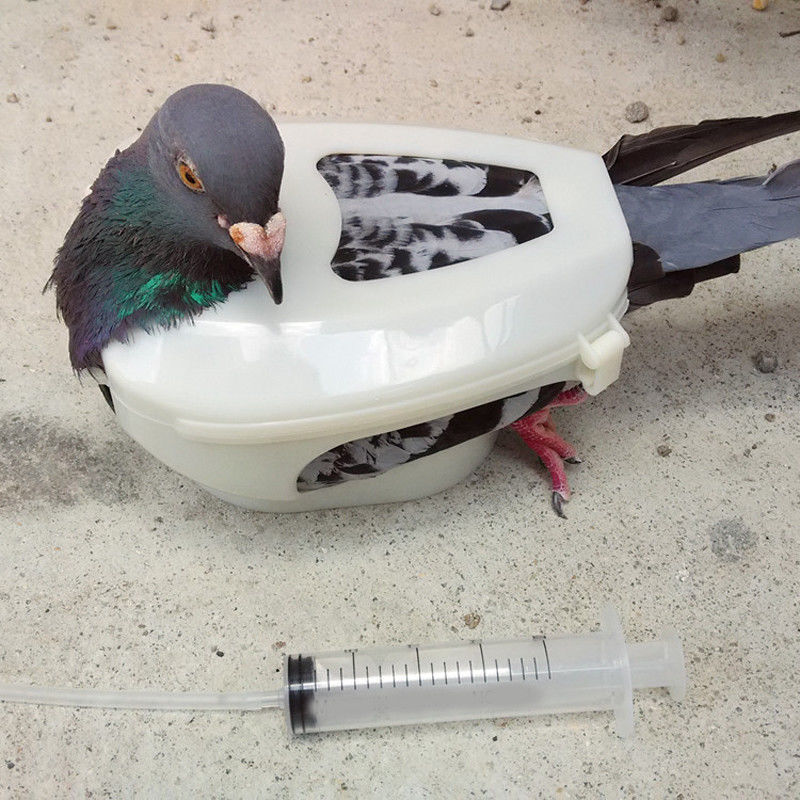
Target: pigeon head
<point x="184" y="216"/>
<point x="217" y="158"/>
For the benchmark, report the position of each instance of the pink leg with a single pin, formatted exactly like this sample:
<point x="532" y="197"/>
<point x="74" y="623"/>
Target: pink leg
<point x="538" y="429"/>
<point x="538" y="432"/>
<point x="571" y="397"/>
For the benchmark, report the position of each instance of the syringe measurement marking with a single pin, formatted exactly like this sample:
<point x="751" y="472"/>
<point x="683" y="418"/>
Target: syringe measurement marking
<point x="510" y="676"/>
<point x="444" y="667"/>
<point x="471" y="676"/>
<point x="535" y="668"/>
<point x="366" y="669"/>
<point x="458" y="672"/>
<point x="353" y="654"/>
<point x="341" y="677"/>
<point x="380" y="675"/>
<point x="406" y="666"/>
<point x="483" y="661"/>
<point x="522" y="664"/>
<point x="315" y="677"/>
<point x="419" y="667"/>
<point x="394" y="682"/>
<point x="433" y="677"/>
<point x="497" y="670"/>
<point x="546" y="655"/>
<point x="328" y="677"/>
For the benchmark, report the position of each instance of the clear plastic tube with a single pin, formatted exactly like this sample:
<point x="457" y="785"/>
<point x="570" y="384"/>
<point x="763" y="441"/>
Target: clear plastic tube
<point x="144" y="699"/>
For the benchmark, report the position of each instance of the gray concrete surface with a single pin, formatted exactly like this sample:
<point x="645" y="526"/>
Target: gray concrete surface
<point x="115" y="572"/>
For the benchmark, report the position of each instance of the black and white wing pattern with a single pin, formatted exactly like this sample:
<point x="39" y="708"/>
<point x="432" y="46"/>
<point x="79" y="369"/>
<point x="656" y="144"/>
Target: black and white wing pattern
<point x="374" y="455"/>
<point x="402" y="214"/>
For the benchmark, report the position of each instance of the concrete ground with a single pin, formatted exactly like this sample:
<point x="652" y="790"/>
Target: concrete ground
<point x="116" y="572"/>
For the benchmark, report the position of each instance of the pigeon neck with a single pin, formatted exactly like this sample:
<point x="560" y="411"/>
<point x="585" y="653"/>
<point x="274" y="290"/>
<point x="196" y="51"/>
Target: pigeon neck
<point x="124" y="265"/>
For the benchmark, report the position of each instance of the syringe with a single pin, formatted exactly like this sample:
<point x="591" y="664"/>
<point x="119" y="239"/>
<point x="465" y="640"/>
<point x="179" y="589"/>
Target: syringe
<point x="410" y="684"/>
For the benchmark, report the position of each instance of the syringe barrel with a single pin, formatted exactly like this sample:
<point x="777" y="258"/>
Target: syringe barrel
<point x="466" y="680"/>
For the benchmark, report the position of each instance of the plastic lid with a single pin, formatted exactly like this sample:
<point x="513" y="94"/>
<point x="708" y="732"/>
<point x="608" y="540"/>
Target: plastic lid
<point x="339" y="355"/>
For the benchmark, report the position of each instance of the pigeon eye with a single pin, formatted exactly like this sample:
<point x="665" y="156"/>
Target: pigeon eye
<point x="189" y="177"/>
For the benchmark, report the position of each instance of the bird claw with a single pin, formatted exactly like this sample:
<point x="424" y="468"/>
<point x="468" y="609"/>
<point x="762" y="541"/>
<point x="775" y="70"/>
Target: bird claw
<point x="538" y="432"/>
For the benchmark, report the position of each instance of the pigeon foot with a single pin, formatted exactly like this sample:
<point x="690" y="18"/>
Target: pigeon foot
<point x="537" y="430"/>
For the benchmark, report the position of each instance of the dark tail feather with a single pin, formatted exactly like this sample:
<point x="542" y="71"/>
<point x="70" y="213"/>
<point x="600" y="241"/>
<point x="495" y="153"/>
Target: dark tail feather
<point x="660" y="154"/>
<point x="649" y="283"/>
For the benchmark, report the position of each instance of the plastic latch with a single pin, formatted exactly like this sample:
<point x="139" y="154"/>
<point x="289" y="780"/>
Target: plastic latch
<point x="600" y="360"/>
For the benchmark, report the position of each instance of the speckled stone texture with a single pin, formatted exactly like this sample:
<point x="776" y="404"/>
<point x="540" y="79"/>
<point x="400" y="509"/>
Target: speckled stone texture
<point x="116" y="572"/>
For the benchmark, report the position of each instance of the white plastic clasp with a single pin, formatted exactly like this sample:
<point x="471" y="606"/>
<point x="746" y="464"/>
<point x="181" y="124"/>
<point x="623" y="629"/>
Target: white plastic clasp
<point x="601" y="359"/>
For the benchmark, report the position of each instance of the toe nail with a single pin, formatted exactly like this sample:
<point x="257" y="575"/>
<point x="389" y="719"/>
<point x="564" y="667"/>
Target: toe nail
<point x="557" y="502"/>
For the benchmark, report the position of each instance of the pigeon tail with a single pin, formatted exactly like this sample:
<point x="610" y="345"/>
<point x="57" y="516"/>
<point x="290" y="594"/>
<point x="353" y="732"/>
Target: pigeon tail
<point x="687" y="233"/>
<point x="663" y="153"/>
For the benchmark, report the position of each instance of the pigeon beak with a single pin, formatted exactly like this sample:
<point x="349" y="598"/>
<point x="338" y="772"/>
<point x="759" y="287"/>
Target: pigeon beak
<point x="261" y="248"/>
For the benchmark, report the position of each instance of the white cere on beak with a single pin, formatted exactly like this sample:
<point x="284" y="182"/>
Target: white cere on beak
<point x="223" y="221"/>
<point x="276" y="225"/>
<point x="265" y="242"/>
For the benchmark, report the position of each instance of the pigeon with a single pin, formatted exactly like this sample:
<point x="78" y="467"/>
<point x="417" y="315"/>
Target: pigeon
<point x="173" y="224"/>
<point x="189" y="214"/>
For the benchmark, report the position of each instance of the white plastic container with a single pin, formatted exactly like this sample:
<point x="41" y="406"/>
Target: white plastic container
<point x="243" y="399"/>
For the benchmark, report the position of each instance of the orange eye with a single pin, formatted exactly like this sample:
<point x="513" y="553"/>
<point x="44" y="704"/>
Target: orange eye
<point x="189" y="177"/>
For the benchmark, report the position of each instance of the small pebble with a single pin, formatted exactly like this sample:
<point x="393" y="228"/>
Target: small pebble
<point x="681" y="39"/>
<point x="12" y="98"/>
<point x="434" y="83"/>
<point x="500" y="5"/>
<point x="769" y="417"/>
<point x="434" y="9"/>
<point x="305" y="79"/>
<point x="637" y="112"/>
<point x="209" y="27"/>
<point x="111" y="26"/>
<point x="472" y="620"/>
<point x="760" y="5"/>
<point x="469" y="32"/>
<point x="220" y="653"/>
<point x="90" y="19"/>
<point x="279" y="645"/>
<point x="527" y="120"/>
<point x="766" y="362"/>
<point x="721" y="58"/>
<point x="669" y="14"/>
<point x="663" y="449"/>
